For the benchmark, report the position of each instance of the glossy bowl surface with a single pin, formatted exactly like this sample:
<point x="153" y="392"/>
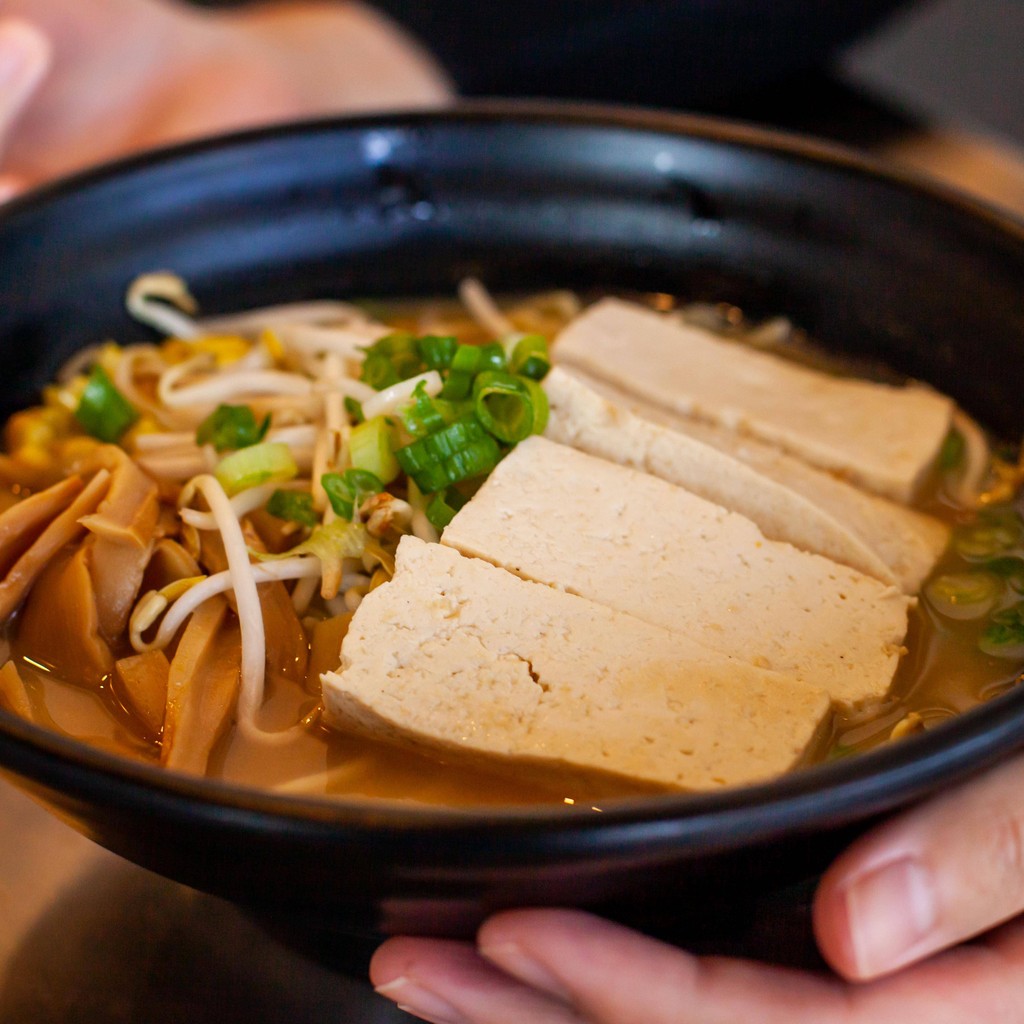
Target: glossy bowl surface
<point x="522" y="196"/>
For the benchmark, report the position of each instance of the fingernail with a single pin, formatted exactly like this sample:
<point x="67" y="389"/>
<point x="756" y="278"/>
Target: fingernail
<point x="511" y="959"/>
<point x="889" y="912"/>
<point x="420" y="1002"/>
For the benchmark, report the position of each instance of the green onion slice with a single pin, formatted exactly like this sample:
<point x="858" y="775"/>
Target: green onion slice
<point x="530" y="357"/>
<point x="442" y="507"/>
<point x="371" y="447"/>
<point x="436" y="352"/>
<point x="231" y="427"/>
<point x="257" y="464"/>
<point x="990" y="537"/>
<point x="103" y="411"/>
<point x="347" y="491"/>
<point x="378" y="371"/>
<point x="504" y="404"/>
<point x="461" y="450"/>
<point x="467" y="359"/>
<point x="295" y="506"/>
<point x="354" y="409"/>
<point x="492" y="357"/>
<point x="476" y="459"/>
<point x="458" y="386"/>
<point x="422" y="415"/>
<point x="1004" y="638"/>
<point x="964" y="595"/>
<point x="391" y="359"/>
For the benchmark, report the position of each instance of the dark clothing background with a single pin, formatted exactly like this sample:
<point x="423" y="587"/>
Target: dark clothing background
<point x="702" y="55"/>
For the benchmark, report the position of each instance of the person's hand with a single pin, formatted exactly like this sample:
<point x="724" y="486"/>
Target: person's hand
<point x="913" y="889"/>
<point x="89" y="80"/>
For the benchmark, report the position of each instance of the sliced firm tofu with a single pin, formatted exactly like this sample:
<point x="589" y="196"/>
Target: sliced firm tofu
<point x="643" y="546"/>
<point x="885" y="439"/>
<point x="584" y="419"/>
<point x="909" y="542"/>
<point x="459" y="657"/>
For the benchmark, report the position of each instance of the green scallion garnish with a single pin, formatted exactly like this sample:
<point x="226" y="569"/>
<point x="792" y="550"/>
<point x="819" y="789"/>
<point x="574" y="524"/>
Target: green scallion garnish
<point x="371" y="447"/>
<point x="492" y="357"/>
<point x="457" y="386"/>
<point x="295" y="506"/>
<point x="964" y="595"/>
<point x="1004" y="638"/>
<point x="103" y="411"/>
<point x="504" y="404"/>
<point x="347" y="491"/>
<point x="354" y="409"/>
<point x="422" y="415"/>
<point x="992" y="536"/>
<point x="467" y="359"/>
<point x="441" y="509"/>
<point x="530" y="357"/>
<point x="263" y="463"/>
<point x="475" y="459"/>
<point x="391" y="359"/>
<point x="230" y="427"/>
<point x="437" y="353"/>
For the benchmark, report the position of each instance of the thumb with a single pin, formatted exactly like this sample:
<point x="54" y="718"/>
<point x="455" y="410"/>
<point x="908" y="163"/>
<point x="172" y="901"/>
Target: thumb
<point x="938" y="875"/>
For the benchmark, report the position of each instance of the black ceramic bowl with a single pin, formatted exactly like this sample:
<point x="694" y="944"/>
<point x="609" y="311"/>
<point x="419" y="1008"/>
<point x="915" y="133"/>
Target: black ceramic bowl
<point x="523" y="197"/>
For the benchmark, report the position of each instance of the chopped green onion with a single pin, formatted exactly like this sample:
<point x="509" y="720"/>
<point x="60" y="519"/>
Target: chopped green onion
<point x="372" y="447"/>
<point x="477" y="458"/>
<point x="458" y="386"/>
<point x="422" y="415"/>
<point x="391" y="359"/>
<point x="530" y="357"/>
<point x="231" y="427"/>
<point x="377" y="371"/>
<point x="257" y="464"/>
<point x="990" y="537"/>
<point x="504" y="405"/>
<point x="459" y="451"/>
<point x="437" y="352"/>
<point x="441" y="444"/>
<point x="295" y="506"/>
<point x="443" y="506"/>
<point x="492" y="357"/>
<point x="1004" y="638"/>
<point x="102" y="410"/>
<point x="964" y="595"/>
<point x="541" y="407"/>
<point x="466" y="359"/>
<point x="347" y="491"/>
<point x="354" y="409"/>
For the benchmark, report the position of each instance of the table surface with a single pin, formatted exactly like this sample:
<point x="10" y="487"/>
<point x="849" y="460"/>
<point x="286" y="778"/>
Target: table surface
<point x="87" y="937"/>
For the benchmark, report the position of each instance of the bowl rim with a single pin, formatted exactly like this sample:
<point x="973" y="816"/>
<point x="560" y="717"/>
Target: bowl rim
<point x="858" y="788"/>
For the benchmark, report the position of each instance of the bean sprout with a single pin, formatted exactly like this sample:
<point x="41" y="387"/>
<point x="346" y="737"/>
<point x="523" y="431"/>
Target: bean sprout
<point x="482" y="308"/>
<point x="162" y="300"/>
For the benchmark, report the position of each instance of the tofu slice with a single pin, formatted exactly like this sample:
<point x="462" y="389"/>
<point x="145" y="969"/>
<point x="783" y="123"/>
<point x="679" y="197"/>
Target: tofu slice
<point x="909" y="542"/>
<point x="640" y="545"/>
<point x="885" y="439"/>
<point x="583" y="419"/>
<point x="466" y="660"/>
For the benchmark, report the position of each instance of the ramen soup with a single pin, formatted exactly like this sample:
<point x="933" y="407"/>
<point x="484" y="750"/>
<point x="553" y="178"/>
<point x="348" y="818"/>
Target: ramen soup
<point x="474" y="552"/>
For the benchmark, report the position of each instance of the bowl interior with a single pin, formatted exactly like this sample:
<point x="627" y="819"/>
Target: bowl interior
<point x="523" y="198"/>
